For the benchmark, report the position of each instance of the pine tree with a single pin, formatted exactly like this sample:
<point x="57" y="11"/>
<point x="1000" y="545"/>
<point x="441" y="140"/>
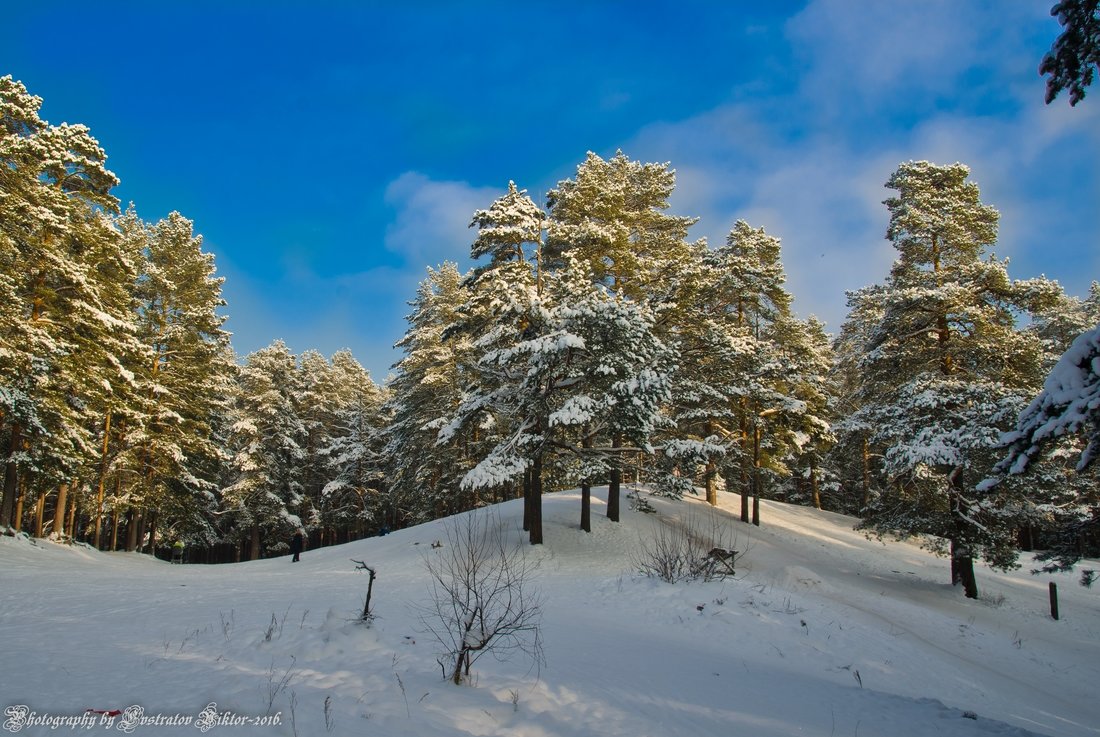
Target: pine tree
<point x="613" y="216"/>
<point x="588" y="365"/>
<point x="1075" y="55"/>
<point x="265" y="494"/>
<point x="503" y="309"/>
<point x="945" y="369"/>
<point x="427" y="389"/>
<point x="174" y="451"/>
<point x="68" y="284"/>
<point x="354" y="495"/>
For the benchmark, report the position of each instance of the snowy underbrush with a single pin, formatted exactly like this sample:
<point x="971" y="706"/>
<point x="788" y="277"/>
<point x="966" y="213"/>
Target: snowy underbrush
<point x="700" y="545"/>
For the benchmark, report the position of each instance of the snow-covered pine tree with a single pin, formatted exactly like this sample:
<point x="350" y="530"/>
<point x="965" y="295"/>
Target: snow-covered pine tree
<point x="426" y="390"/>
<point x="502" y="310"/>
<point x="945" y="370"/>
<point x="592" y="368"/>
<point x="765" y="368"/>
<point x="61" y="257"/>
<point x="265" y="493"/>
<point x="1058" y="429"/>
<point x="173" y="455"/>
<point x="715" y="355"/>
<point x="858" y="469"/>
<point x="318" y="403"/>
<point x="614" y="215"/>
<point x="805" y="416"/>
<point x="355" y="496"/>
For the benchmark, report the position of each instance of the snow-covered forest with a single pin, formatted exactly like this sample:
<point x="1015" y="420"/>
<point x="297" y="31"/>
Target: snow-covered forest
<point x="592" y="344"/>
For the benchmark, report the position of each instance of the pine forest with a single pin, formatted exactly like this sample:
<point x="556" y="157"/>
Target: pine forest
<point x="593" y="343"/>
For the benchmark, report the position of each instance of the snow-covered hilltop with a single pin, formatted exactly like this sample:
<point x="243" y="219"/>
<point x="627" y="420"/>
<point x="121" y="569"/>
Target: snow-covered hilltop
<point x="821" y="632"/>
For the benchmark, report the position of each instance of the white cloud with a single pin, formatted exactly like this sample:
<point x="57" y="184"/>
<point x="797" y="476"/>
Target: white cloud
<point x="431" y="223"/>
<point x="809" y="165"/>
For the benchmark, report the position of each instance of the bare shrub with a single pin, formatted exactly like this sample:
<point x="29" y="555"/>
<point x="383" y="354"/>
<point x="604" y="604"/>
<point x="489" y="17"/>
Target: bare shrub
<point x="481" y="596"/>
<point x="698" y="547"/>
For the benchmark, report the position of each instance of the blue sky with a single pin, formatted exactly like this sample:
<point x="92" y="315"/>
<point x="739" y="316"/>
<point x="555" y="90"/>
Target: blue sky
<point x="329" y="152"/>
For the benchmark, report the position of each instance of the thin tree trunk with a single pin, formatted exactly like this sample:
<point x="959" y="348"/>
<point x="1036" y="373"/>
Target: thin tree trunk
<point x="153" y="532"/>
<point x="39" y="515"/>
<point x="59" y="511"/>
<point x="586" y="491"/>
<point x="756" y="476"/>
<point x="527" y="503"/>
<point x="131" y="530"/>
<point x="71" y="527"/>
<point x="114" y="530"/>
<point x="536" y="496"/>
<point x="616" y="481"/>
<point x="11" y="478"/>
<point x="254" y="545"/>
<point x="102" y="480"/>
<point x="815" y="490"/>
<point x="746" y="489"/>
<point x="20" y="499"/>
<point x="711" y="479"/>
<point x="866" y="472"/>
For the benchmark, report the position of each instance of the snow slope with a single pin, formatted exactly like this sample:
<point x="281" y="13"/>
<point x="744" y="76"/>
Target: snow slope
<point x="822" y="632"/>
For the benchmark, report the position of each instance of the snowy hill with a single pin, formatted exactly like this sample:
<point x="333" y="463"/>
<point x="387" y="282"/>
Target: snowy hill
<point x="822" y="632"/>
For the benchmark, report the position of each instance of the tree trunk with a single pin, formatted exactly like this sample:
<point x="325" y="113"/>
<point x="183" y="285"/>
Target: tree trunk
<point x="962" y="569"/>
<point x="586" y="507"/>
<point x="114" y="530"/>
<point x="39" y="513"/>
<point x="962" y="560"/>
<point x="71" y="526"/>
<point x="866" y="472"/>
<point x="616" y="481"/>
<point x="102" y="481"/>
<point x="11" y="478"/>
<point x="20" y="499"/>
<point x="59" y="511"/>
<point x="586" y="490"/>
<point x="756" y="476"/>
<point x="153" y="532"/>
<point x="746" y="490"/>
<point x="131" y="530"/>
<point x="528" y="506"/>
<point x="815" y="490"/>
<point x="536" y="497"/>
<point x="711" y="473"/>
<point x="254" y="544"/>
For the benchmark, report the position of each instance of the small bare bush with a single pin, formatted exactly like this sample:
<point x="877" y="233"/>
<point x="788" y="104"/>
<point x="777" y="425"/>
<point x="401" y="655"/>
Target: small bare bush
<point x="694" y="548"/>
<point x="481" y="596"/>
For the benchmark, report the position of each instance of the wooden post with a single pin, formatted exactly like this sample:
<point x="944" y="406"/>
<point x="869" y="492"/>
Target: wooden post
<point x="1054" y="600"/>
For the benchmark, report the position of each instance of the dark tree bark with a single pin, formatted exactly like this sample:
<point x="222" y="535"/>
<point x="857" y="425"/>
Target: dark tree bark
<point x="536" y="498"/>
<point x="616" y="481"/>
<point x="756" y="476"/>
<point x="527" y="504"/>
<point x="586" y="491"/>
<point x="254" y="543"/>
<point x="11" y="479"/>
<point x="586" y="507"/>
<point x="60" y="510"/>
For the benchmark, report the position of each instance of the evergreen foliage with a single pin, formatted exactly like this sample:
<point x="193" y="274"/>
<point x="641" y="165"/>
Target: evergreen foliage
<point x="591" y="337"/>
<point x="1075" y="55"/>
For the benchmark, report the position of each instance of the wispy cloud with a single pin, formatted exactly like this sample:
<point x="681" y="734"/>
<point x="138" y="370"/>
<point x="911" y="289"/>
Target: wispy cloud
<point x="431" y="219"/>
<point x="884" y="83"/>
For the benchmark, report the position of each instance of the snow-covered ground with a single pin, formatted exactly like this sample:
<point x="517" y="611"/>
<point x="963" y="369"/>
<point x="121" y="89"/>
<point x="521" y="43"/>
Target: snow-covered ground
<point x="822" y="632"/>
